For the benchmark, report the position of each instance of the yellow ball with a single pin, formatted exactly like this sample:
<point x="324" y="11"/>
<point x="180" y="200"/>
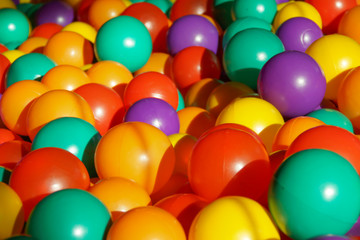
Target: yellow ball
<point x="12" y="55"/>
<point x="82" y="28"/>
<point x="7" y="4"/>
<point x="233" y="218"/>
<point x="297" y="9"/>
<point x="336" y="54"/>
<point x="255" y="113"/>
<point x="11" y="212"/>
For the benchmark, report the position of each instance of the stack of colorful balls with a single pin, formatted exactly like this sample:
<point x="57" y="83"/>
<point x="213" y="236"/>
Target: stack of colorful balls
<point x="180" y="119"/>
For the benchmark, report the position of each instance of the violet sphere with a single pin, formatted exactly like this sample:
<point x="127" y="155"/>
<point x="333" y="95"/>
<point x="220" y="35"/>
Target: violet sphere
<point x="293" y="82"/>
<point x="55" y="11"/>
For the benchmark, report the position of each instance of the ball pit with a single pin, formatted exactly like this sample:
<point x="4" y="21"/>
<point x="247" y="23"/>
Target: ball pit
<point x="82" y="83"/>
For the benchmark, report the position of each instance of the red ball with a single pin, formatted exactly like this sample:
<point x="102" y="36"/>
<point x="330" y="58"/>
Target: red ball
<point x="3" y="48"/>
<point x="12" y="152"/>
<point x="331" y="12"/>
<point x="46" y="30"/>
<point x="330" y="138"/>
<point x="151" y="85"/>
<point x="44" y="171"/>
<point x="192" y="64"/>
<point x="82" y="12"/>
<point x="4" y="66"/>
<point x="105" y="103"/>
<point x="7" y="135"/>
<point x="187" y="7"/>
<point x="154" y="20"/>
<point x="229" y="162"/>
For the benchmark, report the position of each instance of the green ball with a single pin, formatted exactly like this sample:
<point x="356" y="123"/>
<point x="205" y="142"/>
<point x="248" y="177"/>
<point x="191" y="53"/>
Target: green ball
<point x="69" y="214"/>
<point x="4" y="175"/>
<point x="21" y="238"/>
<point x="247" y="52"/>
<point x="315" y="192"/>
<point x="164" y="5"/>
<point x="263" y="9"/>
<point x="14" y="28"/>
<point x="181" y="102"/>
<point x="126" y="40"/>
<point x="31" y="66"/>
<point x="332" y="117"/>
<point x="222" y="12"/>
<point x="74" y="135"/>
<point x="242" y="24"/>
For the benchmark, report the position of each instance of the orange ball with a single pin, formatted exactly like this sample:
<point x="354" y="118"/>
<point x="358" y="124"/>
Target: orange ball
<point x="66" y="77"/>
<point x="16" y="101"/>
<point x="137" y="151"/>
<point x="292" y="129"/>
<point x="6" y="135"/>
<point x="349" y="23"/>
<point x="46" y="30"/>
<point x="151" y="84"/>
<point x="56" y="104"/>
<point x="100" y="11"/>
<point x="195" y="121"/>
<point x="111" y="74"/>
<point x="146" y="223"/>
<point x="199" y="93"/>
<point x="120" y="195"/>
<point x="348" y="97"/>
<point x="33" y="44"/>
<point x="69" y="48"/>
<point x="158" y="62"/>
<point x="222" y="95"/>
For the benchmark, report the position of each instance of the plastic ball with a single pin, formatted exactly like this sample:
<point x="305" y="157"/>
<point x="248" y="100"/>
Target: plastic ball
<point x="315" y="192"/>
<point x="181" y="102"/>
<point x="33" y="44"/>
<point x="146" y="222"/>
<point x="12" y="212"/>
<point x="154" y="20"/>
<point x="183" y="145"/>
<point x="292" y="129"/>
<point x="239" y="159"/>
<point x="187" y="7"/>
<point x="151" y="84"/>
<point x="58" y="12"/>
<point x="293" y="82"/>
<point x="184" y="207"/>
<point x="233" y="218"/>
<point x="192" y="64"/>
<point x="348" y="23"/>
<point x="355" y="229"/>
<point x="66" y="77"/>
<point x="331" y="12"/>
<point x="257" y="114"/>
<point x="262" y="9"/>
<point x="4" y="175"/>
<point x="8" y="4"/>
<point x="336" y="60"/>
<point x="331" y="237"/>
<point x="12" y="152"/>
<point x="130" y="46"/>
<point x="69" y="48"/>
<point x="330" y="138"/>
<point x="7" y="135"/>
<point x="348" y="99"/>
<point x="106" y="105"/>
<point x="102" y="11"/>
<point x="158" y="62"/>
<point x="84" y="29"/>
<point x="192" y="30"/>
<point x="73" y="135"/>
<point x="137" y="151"/>
<point x="16" y="101"/>
<point x="298" y="33"/>
<point x="4" y="66"/>
<point x="195" y="121"/>
<point x="164" y="5"/>
<point x="3" y="48"/>
<point x="332" y="117"/>
<point x="296" y="9"/>
<point x="242" y="24"/>
<point x="257" y="47"/>
<point x="120" y="195"/>
<point x="21" y="237"/>
<point x="111" y="74"/>
<point x="12" y="55"/>
<point x="155" y="112"/>
<point x="55" y="104"/>
<point x="222" y="12"/>
<point x="74" y="220"/>
<point x="44" y="171"/>
<point x="14" y="26"/>
<point x="31" y="66"/>
<point x="199" y="92"/>
<point x="46" y="30"/>
<point x="224" y="94"/>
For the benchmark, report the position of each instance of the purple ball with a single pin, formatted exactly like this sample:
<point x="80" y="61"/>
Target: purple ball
<point x="192" y="30"/>
<point x="16" y="1"/>
<point x="155" y="112"/>
<point x="355" y="230"/>
<point x="298" y="33"/>
<point x="55" y="12"/>
<point x="330" y="237"/>
<point x="281" y="1"/>
<point x="293" y="82"/>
